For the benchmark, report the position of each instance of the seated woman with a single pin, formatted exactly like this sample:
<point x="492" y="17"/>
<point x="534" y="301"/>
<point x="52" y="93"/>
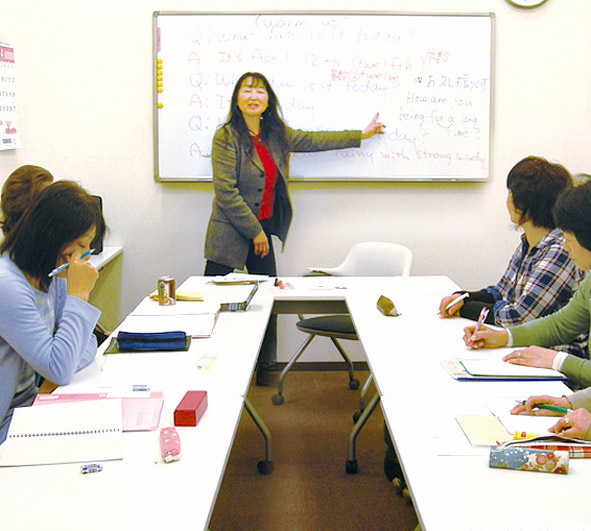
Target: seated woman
<point x="540" y="277"/>
<point x="572" y="216"/>
<point x="18" y="192"/>
<point x="46" y="322"/>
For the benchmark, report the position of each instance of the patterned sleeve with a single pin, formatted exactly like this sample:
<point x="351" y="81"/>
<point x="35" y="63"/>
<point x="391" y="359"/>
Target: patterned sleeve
<point x="549" y="286"/>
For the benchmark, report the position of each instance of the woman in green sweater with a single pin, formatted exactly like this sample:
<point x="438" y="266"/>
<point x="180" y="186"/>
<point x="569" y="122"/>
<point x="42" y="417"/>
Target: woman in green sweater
<point x="573" y="216"/>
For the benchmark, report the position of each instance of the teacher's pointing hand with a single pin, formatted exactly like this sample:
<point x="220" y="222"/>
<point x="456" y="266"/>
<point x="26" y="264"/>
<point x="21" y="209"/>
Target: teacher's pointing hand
<point x="373" y="128"/>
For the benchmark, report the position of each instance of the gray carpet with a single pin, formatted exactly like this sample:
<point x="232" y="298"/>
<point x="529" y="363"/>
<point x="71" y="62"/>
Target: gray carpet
<point x="309" y="488"/>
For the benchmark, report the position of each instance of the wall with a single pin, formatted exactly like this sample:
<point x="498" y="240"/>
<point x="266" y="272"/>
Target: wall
<point x="84" y="79"/>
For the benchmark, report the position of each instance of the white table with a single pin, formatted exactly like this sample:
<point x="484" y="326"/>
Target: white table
<point x="404" y="354"/>
<point x="140" y="492"/>
<point x="452" y="492"/>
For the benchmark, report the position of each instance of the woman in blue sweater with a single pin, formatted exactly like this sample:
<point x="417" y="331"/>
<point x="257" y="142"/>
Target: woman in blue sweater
<point x="46" y="323"/>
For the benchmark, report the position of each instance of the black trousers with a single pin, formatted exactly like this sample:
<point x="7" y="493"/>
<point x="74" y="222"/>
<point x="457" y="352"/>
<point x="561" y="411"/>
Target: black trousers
<point x="256" y="265"/>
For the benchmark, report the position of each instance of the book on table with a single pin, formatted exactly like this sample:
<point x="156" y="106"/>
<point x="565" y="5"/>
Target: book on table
<point x="71" y="432"/>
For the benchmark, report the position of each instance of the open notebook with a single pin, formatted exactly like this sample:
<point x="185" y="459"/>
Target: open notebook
<point x="72" y="432"/>
<point x="496" y="369"/>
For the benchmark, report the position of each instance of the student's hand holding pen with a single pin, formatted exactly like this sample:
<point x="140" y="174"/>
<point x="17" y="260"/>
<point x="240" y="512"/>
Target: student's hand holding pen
<point x="483" y="337"/>
<point x="81" y="276"/>
<point x="450" y="306"/>
<point x="576" y="425"/>
<point x="530" y="406"/>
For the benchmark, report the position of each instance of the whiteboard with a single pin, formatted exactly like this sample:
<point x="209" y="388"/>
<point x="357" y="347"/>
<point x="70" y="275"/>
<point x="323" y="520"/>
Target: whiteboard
<point x="428" y="76"/>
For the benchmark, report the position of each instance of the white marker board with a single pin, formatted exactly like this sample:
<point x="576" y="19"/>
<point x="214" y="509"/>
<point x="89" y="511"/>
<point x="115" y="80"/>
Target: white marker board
<point x="429" y="77"/>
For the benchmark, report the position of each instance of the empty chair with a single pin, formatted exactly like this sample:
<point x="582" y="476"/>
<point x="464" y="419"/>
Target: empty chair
<point x="363" y="259"/>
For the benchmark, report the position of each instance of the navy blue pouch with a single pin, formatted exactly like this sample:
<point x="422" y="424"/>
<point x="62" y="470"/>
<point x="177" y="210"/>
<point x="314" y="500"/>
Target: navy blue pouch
<point x="132" y="341"/>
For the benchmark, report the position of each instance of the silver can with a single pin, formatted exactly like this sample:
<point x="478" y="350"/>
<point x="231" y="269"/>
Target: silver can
<point x="166" y="291"/>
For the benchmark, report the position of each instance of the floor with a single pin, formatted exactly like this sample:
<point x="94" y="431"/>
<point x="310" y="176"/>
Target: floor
<point x="309" y="488"/>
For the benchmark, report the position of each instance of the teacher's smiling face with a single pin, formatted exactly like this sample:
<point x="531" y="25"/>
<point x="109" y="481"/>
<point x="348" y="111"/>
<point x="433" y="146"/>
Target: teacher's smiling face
<point x="253" y="98"/>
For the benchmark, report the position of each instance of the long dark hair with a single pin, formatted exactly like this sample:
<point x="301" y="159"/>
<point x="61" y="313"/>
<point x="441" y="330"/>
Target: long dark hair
<point x="272" y="125"/>
<point x="63" y="212"/>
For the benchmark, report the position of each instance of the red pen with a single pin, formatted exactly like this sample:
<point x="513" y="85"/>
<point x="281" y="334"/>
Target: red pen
<point x="481" y="318"/>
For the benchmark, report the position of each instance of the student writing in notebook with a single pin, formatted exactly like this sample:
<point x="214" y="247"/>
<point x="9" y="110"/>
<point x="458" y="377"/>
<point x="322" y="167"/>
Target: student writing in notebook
<point x="46" y="323"/>
<point x="540" y="277"/>
<point x="575" y="424"/>
<point x="572" y="216"/>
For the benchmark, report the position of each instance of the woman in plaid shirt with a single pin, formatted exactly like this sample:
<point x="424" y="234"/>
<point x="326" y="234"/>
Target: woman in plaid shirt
<point x="540" y="277"/>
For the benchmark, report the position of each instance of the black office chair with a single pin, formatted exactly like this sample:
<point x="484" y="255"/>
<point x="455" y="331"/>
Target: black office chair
<point x="369" y="259"/>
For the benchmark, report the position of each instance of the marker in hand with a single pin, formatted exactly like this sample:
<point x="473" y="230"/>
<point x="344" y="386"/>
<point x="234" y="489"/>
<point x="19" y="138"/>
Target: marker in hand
<point x="59" y="269"/>
<point x="455" y="301"/>
<point x="481" y="318"/>
<point x="548" y="407"/>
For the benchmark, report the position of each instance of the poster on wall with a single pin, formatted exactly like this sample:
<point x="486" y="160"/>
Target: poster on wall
<point x="8" y="127"/>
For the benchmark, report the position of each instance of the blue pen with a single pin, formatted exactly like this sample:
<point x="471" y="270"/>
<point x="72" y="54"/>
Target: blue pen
<point x="59" y="269"/>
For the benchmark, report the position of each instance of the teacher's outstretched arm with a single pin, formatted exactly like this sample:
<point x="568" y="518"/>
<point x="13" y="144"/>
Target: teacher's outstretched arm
<point x="373" y="128"/>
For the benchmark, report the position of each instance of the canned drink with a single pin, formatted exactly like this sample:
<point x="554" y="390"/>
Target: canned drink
<point x="166" y="291"/>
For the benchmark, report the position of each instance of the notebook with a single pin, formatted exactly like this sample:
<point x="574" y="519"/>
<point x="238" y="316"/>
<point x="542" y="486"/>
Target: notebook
<point x="483" y="430"/>
<point x="239" y="306"/>
<point x="72" y="432"/>
<point x="140" y="412"/>
<point x="497" y="370"/>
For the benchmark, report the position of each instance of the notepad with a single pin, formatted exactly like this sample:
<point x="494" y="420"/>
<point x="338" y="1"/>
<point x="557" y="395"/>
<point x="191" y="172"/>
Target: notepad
<point x="483" y="430"/>
<point x="481" y="369"/>
<point x="140" y="412"/>
<point x="193" y="325"/>
<point x="502" y="369"/>
<point x="76" y="432"/>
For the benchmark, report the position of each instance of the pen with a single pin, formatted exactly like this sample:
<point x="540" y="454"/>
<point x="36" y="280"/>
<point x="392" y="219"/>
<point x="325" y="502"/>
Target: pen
<point x="455" y="301"/>
<point x="548" y="407"/>
<point x="59" y="269"/>
<point x="481" y="319"/>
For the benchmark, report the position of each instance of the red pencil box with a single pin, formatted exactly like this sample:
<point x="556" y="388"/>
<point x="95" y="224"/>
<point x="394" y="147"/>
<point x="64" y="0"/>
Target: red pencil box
<point x="190" y="408"/>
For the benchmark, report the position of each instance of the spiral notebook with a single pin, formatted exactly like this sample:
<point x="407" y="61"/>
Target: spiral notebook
<point x="73" y="432"/>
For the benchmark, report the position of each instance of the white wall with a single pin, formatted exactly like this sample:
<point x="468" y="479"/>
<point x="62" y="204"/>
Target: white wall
<point x="84" y="81"/>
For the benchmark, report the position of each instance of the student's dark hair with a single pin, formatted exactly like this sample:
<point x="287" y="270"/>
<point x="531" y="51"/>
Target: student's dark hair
<point x="63" y="212"/>
<point x="535" y="184"/>
<point x="272" y="124"/>
<point x="18" y="192"/>
<point x="571" y="213"/>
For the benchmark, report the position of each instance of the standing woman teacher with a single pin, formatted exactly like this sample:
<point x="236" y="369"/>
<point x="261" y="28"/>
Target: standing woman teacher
<point x="250" y="157"/>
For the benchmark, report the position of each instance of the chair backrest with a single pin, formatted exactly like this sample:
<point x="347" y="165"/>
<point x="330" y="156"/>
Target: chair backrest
<point x="373" y="259"/>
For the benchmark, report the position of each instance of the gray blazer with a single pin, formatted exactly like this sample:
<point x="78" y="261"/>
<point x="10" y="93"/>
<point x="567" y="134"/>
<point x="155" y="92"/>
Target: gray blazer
<point x="238" y="184"/>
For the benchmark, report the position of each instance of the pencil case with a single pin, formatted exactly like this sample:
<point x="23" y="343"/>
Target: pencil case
<point x="131" y="341"/>
<point x="553" y="461"/>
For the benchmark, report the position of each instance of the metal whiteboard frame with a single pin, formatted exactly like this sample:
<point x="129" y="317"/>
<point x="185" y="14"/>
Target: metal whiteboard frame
<point x="393" y="179"/>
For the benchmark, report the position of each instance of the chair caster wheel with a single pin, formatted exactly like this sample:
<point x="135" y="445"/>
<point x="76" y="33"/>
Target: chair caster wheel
<point x="277" y="399"/>
<point x="351" y="467"/>
<point x="353" y="384"/>
<point x="356" y="415"/>
<point x="265" y="467"/>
